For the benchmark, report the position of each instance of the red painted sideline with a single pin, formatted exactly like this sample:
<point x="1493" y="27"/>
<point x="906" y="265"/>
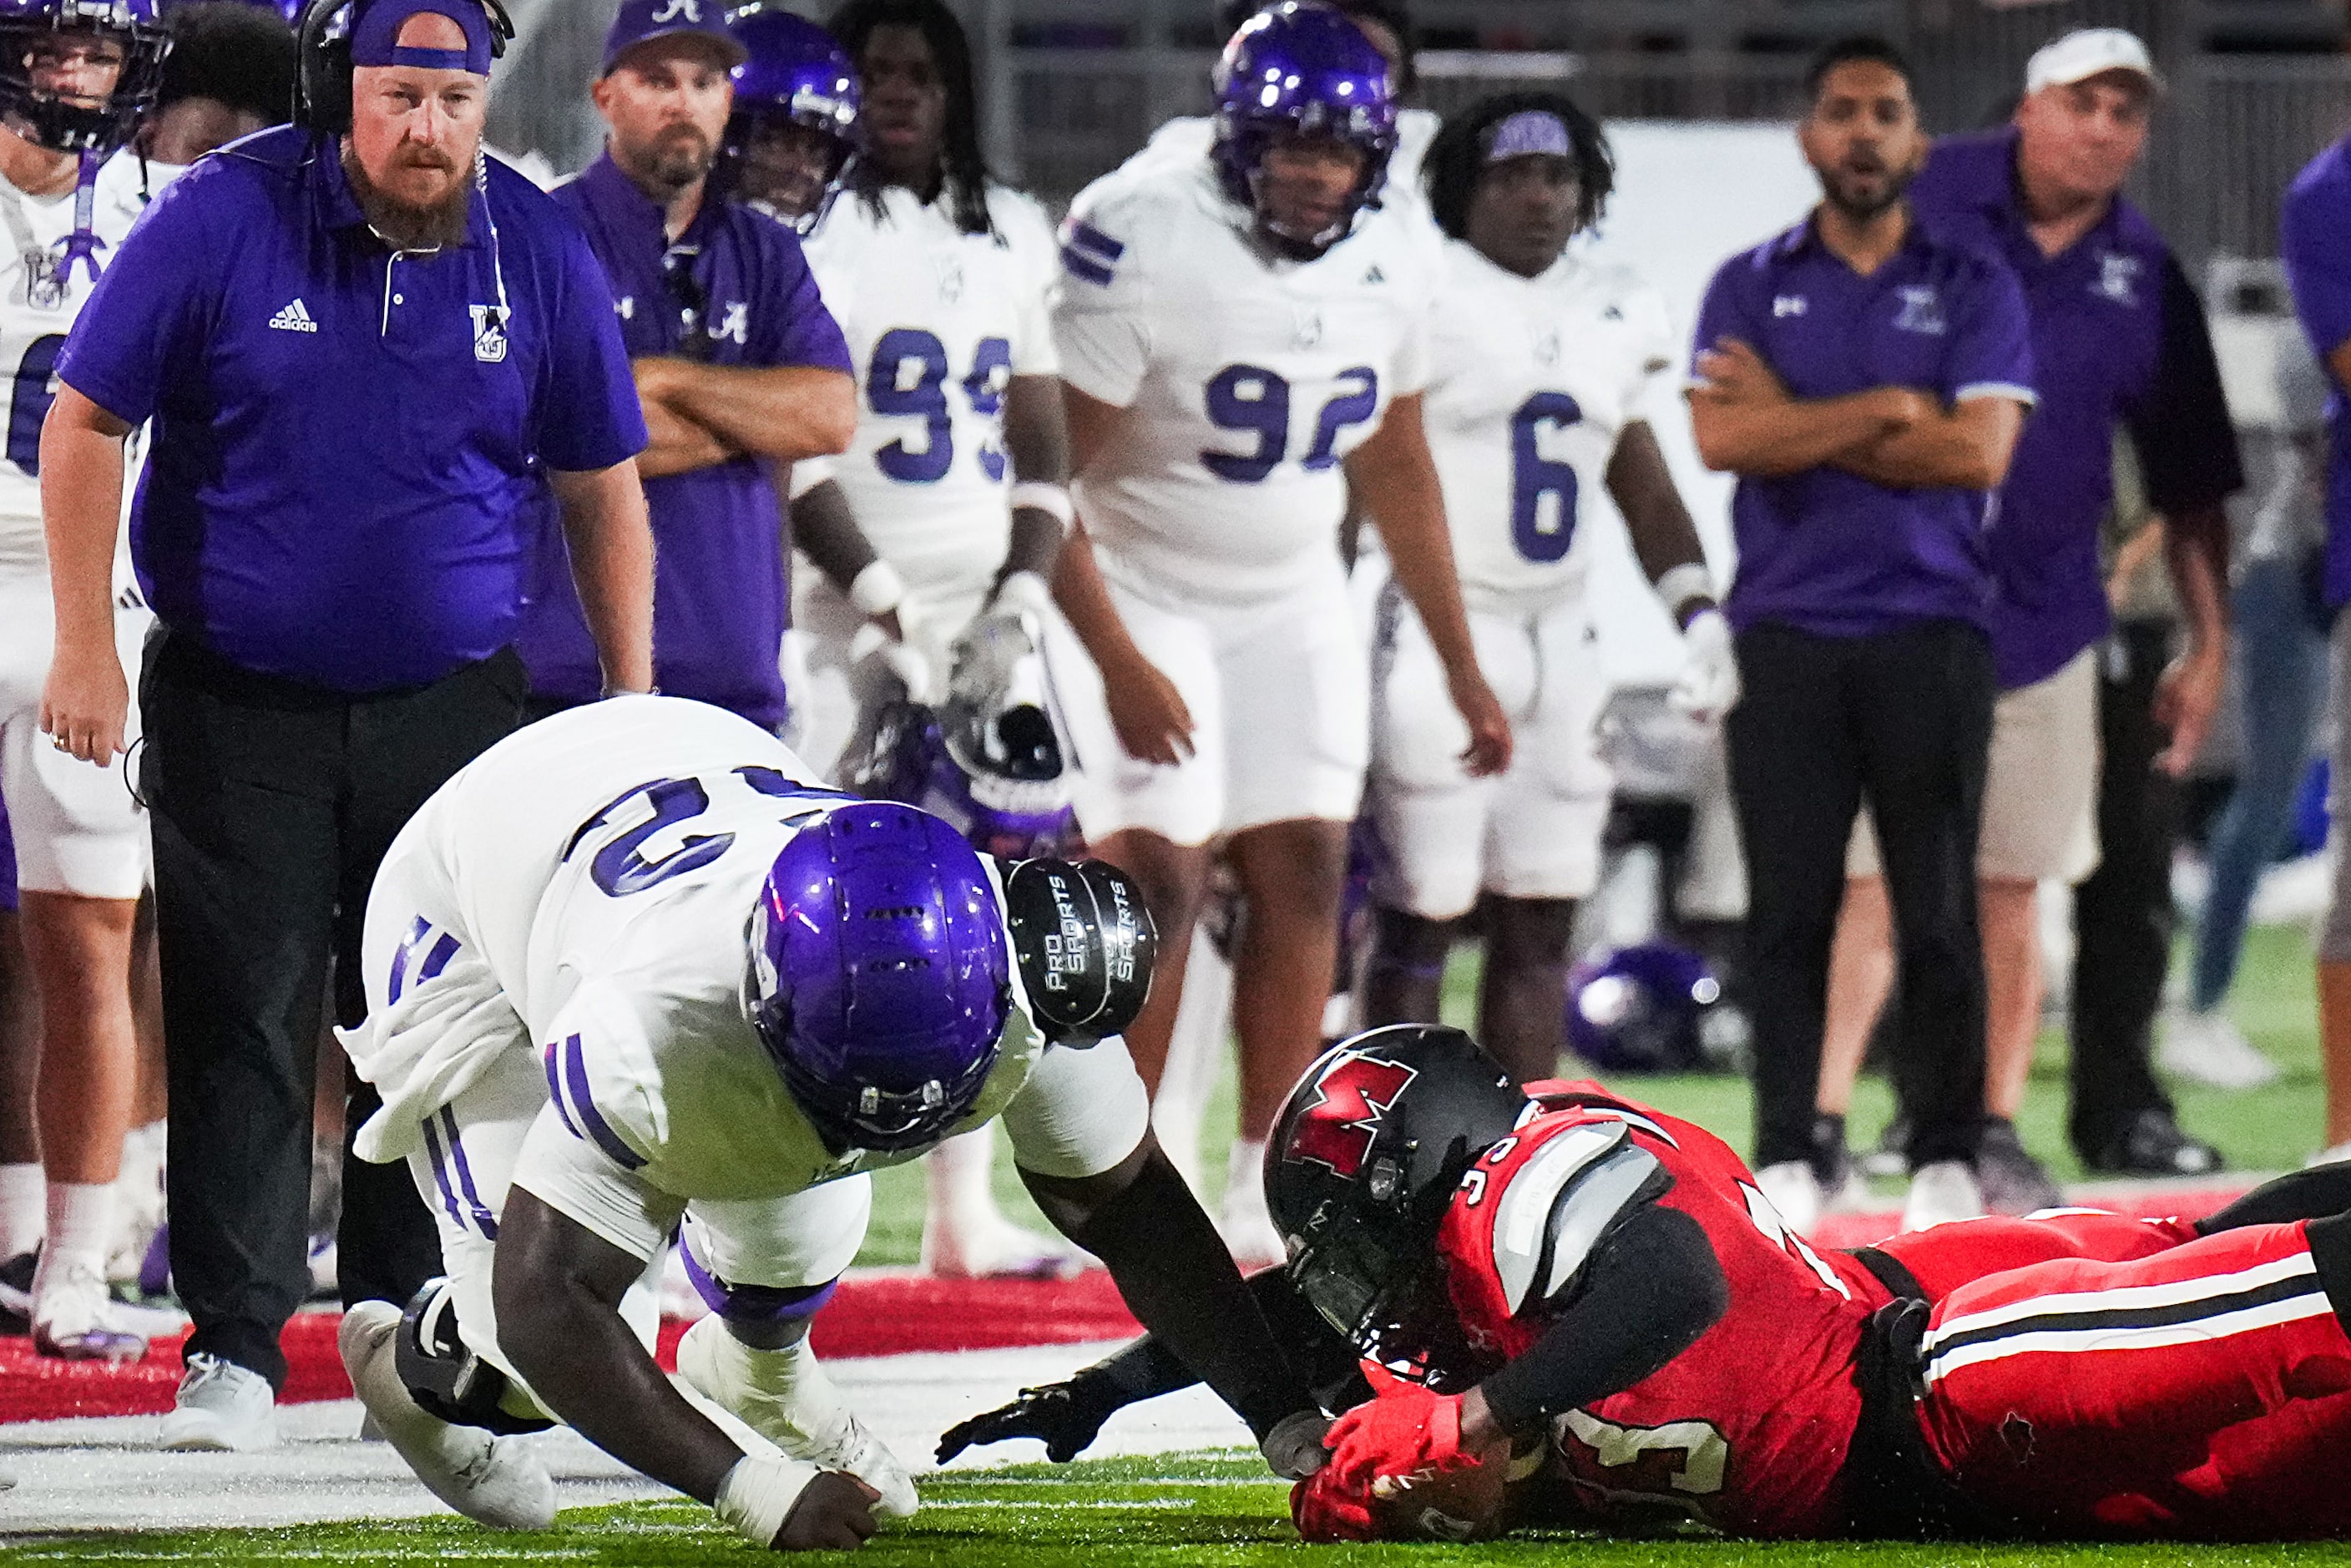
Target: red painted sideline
<point x="876" y="1316"/>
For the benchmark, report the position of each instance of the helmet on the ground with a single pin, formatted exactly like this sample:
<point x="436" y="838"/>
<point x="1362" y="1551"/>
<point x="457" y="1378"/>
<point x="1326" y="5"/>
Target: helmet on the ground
<point x="1644" y="1009"/>
<point x="60" y="124"/>
<point x="881" y="979"/>
<point x="1301" y="69"/>
<point x="1004" y="791"/>
<point x="1365" y="1155"/>
<point x="795" y="73"/>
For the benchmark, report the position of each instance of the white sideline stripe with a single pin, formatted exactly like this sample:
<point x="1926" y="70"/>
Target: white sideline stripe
<point x="2099" y="1340"/>
<point x="2123" y="1298"/>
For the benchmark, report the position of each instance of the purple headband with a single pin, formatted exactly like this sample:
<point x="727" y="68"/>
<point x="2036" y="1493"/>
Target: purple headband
<point x="375" y="35"/>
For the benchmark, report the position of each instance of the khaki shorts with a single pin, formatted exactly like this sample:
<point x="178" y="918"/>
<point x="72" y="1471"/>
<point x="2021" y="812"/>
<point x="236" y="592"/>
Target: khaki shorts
<point x="2040" y="786"/>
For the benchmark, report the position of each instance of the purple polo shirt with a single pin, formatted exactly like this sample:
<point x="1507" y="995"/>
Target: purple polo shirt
<point x="1824" y="550"/>
<point x="2315" y="238"/>
<point x="719" y="602"/>
<point x="346" y="440"/>
<point x="2118" y="338"/>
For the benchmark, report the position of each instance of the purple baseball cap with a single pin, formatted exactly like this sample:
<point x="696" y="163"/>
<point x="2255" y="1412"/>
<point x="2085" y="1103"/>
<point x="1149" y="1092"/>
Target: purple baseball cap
<point x="375" y="35"/>
<point x="641" y="21"/>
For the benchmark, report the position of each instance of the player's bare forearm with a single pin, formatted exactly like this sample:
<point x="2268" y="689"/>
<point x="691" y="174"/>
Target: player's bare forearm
<point x="1396" y="479"/>
<point x="674" y="445"/>
<point x="1760" y="440"/>
<point x="1142" y="1222"/>
<point x="558" y="1288"/>
<point x="81" y="509"/>
<point x="1084" y="601"/>
<point x="1037" y="436"/>
<point x="1663" y="535"/>
<point x="826" y="531"/>
<point x="784" y="412"/>
<point x="2196" y="551"/>
<point x="611" y="542"/>
<point x="1966" y="448"/>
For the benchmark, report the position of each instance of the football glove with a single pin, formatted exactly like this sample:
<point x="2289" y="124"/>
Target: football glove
<point x="1709" y="685"/>
<point x="1407" y="1427"/>
<point x="1059" y="1415"/>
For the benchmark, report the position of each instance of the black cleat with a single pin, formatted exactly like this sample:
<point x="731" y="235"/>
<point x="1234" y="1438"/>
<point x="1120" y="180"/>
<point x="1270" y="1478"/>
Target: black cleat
<point x="2153" y="1146"/>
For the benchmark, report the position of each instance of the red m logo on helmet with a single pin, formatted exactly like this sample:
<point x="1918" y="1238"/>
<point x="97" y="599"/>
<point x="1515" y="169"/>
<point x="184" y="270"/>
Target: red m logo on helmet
<point x="1350" y="1098"/>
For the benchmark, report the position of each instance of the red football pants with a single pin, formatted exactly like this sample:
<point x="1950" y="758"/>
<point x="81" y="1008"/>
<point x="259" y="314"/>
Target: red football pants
<point x="2189" y="1392"/>
<point x="1943" y="1258"/>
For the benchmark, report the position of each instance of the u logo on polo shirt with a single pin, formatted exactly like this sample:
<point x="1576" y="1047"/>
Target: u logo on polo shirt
<point x="2119" y="278"/>
<point x="1922" y="311"/>
<point x="489" y="333"/>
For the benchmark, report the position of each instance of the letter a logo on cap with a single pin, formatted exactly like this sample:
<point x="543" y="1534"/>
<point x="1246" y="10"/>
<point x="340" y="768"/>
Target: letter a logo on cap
<point x="691" y="10"/>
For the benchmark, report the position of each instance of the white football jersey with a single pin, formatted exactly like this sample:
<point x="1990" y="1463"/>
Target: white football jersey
<point x="939" y="321"/>
<point x="607" y="862"/>
<point x="38" y="303"/>
<point x="1250" y="377"/>
<point x="1531" y="381"/>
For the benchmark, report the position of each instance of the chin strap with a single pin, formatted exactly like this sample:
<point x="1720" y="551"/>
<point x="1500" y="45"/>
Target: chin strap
<point x="83" y="244"/>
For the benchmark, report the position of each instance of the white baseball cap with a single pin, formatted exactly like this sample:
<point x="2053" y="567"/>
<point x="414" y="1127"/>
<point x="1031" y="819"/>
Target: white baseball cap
<point x="2092" y="51"/>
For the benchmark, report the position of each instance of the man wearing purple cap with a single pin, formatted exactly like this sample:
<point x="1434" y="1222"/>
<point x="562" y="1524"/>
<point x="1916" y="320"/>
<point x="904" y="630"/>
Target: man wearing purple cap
<point x="363" y="348"/>
<point x="737" y="363"/>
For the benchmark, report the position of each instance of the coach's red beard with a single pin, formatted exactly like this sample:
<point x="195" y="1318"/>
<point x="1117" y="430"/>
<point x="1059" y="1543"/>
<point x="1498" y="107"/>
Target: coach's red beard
<point x="406" y="225"/>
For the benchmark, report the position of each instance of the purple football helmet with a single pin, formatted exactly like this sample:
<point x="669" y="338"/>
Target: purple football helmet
<point x="881" y="978"/>
<point x="1013" y="811"/>
<point x="38" y="114"/>
<point x="795" y="75"/>
<point x="1305" y="69"/>
<point x="1644" y="1009"/>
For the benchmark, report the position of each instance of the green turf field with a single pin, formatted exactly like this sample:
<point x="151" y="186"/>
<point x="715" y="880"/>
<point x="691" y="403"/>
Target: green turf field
<point x="2270" y="1129"/>
<point x="1170" y="1512"/>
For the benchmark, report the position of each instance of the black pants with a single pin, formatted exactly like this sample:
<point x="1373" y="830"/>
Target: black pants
<point x="2122" y="914"/>
<point x="273" y="804"/>
<point x="1901" y="719"/>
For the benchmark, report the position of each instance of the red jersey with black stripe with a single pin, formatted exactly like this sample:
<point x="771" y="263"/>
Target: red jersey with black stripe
<point x="1747" y="1430"/>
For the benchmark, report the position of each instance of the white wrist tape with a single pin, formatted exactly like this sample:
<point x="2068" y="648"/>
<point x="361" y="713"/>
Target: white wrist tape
<point x="877" y="589"/>
<point x="1023" y="593"/>
<point x="1689" y="580"/>
<point x="758" y="1495"/>
<point x="1053" y="500"/>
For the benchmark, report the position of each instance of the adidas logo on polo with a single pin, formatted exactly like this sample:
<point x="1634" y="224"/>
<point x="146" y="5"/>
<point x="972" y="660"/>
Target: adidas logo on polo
<point x="295" y="318"/>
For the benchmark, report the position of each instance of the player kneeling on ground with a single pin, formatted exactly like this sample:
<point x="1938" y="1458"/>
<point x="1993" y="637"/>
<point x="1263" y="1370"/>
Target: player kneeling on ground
<point x="630" y="971"/>
<point x="1606" y="1326"/>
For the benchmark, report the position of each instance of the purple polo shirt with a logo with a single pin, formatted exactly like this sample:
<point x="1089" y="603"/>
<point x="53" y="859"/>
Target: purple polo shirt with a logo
<point x="733" y="291"/>
<point x="1827" y="552"/>
<point x="342" y="485"/>
<point x="2315" y="241"/>
<point x="2119" y="337"/>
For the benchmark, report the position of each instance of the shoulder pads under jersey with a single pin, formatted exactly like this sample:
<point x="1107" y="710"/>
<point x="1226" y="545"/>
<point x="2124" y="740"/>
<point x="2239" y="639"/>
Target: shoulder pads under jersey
<point x="1563" y="1202"/>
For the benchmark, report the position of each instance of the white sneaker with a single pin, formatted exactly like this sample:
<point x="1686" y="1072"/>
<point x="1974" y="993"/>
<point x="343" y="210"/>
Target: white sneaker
<point x="493" y="1480"/>
<point x="2208" y="1049"/>
<point x="990" y="1247"/>
<point x="1940" y="1193"/>
<point x="221" y="1406"/>
<point x="786" y="1398"/>
<point x="1793" y="1190"/>
<point x="74" y="1319"/>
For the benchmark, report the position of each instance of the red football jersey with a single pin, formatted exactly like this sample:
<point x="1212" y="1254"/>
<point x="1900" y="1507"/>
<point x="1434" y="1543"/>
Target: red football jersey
<point x="1747" y="1430"/>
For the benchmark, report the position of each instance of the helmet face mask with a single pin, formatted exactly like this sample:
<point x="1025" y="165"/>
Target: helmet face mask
<point x="1294" y="76"/>
<point x="937" y="759"/>
<point x="33" y="108"/>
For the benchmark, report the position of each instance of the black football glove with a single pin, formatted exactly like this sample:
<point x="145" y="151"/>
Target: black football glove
<point x="1060" y="1414"/>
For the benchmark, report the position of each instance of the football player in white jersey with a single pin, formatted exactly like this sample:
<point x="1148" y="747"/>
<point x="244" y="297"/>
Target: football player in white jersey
<point x="1544" y="372"/>
<point x="633" y="968"/>
<point x="935" y="532"/>
<point x="1243" y="348"/>
<point x="74" y="80"/>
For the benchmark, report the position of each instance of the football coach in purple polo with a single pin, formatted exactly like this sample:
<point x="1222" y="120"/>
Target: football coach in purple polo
<point x="1866" y="380"/>
<point x="361" y="345"/>
<point x="740" y="367"/>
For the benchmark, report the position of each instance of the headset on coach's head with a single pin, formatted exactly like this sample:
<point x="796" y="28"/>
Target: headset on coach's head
<point x="322" y="82"/>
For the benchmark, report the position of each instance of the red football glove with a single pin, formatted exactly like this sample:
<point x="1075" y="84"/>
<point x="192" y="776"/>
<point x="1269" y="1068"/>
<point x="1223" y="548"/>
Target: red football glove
<point x="1406" y="1428"/>
<point x="1324" y="1510"/>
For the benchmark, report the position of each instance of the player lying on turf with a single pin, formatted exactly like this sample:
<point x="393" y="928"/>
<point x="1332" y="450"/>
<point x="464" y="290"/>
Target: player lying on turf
<point x="1592" y="1301"/>
<point x="629" y="971"/>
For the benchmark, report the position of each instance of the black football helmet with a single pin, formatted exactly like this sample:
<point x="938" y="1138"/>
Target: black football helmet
<point x="1366" y="1155"/>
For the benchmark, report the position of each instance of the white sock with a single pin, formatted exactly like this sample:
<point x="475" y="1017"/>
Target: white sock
<point x="1245" y="1178"/>
<point x="23" y="1211"/>
<point x="81" y="1225"/>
